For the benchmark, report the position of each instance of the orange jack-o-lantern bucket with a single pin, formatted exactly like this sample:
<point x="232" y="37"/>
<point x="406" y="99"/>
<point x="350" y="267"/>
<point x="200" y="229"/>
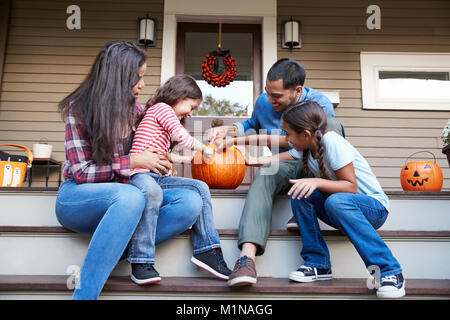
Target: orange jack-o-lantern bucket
<point x="421" y="175"/>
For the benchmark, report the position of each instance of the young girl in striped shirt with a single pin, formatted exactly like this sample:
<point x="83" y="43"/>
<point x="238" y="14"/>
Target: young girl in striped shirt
<point x="163" y="116"/>
<point x="161" y="125"/>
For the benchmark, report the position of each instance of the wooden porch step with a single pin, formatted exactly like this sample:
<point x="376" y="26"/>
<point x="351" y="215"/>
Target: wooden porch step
<point x="242" y="190"/>
<point x="193" y="285"/>
<point x="234" y="232"/>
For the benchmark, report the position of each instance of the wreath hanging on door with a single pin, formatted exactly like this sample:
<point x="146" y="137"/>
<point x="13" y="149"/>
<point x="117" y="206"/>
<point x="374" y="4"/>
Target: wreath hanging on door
<point x="219" y="68"/>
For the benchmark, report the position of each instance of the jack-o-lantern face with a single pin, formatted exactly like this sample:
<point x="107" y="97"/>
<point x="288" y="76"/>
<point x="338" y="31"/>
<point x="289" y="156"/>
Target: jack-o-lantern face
<point x="421" y="176"/>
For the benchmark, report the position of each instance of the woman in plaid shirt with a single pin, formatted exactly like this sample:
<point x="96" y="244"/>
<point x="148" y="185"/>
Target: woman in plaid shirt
<point x="96" y="197"/>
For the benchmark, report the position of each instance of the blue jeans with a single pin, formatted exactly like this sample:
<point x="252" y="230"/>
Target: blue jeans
<point x="111" y="212"/>
<point x="159" y="224"/>
<point x="108" y="211"/>
<point x="357" y="216"/>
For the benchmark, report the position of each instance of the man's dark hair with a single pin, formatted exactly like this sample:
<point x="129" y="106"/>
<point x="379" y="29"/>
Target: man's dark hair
<point x="292" y="73"/>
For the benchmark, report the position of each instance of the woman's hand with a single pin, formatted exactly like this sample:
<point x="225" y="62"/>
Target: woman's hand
<point x="151" y="160"/>
<point x="303" y="187"/>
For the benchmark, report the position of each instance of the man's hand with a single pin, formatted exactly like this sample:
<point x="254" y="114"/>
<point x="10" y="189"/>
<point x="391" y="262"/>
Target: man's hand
<point x="223" y="142"/>
<point x="219" y="132"/>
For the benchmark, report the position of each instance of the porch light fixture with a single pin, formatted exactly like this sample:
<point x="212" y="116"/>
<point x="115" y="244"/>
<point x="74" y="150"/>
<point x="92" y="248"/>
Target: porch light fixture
<point x="146" y="32"/>
<point x="291" y="36"/>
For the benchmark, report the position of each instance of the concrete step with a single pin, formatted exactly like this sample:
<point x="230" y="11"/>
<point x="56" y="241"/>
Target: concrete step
<point x="51" y="250"/>
<point x="186" y="288"/>
<point x="409" y="210"/>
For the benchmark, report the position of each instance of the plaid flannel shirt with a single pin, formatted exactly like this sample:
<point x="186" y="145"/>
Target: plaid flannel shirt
<point x="79" y="165"/>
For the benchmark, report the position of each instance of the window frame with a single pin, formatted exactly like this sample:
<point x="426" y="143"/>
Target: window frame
<point x="373" y="62"/>
<point x="255" y="29"/>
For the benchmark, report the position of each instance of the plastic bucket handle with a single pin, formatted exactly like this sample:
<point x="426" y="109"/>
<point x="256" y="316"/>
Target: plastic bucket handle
<point x="434" y="157"/>
<point x="29" y="153"/>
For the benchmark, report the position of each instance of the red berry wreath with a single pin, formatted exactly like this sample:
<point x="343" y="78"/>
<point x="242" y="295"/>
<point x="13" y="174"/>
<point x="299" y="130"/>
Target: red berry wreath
<point x="213" y="68"/>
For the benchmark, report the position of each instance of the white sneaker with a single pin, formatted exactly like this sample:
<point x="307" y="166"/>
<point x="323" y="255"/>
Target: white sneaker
<point x="392" y="287"/>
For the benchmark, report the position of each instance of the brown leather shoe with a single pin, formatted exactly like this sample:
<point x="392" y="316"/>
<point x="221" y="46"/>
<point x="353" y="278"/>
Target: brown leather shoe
<point x="244" y="273"/>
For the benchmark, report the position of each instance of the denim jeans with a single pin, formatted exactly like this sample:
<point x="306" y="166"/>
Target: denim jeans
<point x="204" y="235"/>
<point x="256" y="218"/>
<point x="141" y="248"/>
<point x="357" y="216"/>
<point x="111" y="212"/>
<point x="176" y="196"/>
<point x="108" y="211"/>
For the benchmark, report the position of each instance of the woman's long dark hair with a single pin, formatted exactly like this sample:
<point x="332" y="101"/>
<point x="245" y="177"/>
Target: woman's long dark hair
<point x="104" y="101"/>
<point x="309" y="115"/>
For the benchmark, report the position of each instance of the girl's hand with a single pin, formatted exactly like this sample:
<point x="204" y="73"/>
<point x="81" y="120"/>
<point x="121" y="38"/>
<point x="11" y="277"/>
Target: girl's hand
<point x="151" y="160"/>
<point x="208" y="152"/>
<point x="303" y="187"/>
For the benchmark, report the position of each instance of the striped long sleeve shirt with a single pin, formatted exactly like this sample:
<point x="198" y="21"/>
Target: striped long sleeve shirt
<point x="159" y="126"/>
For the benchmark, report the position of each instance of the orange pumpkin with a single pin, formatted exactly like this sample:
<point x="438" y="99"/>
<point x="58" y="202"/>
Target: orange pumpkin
<point x="224" y="170"/>
<point x="421" y="176"/>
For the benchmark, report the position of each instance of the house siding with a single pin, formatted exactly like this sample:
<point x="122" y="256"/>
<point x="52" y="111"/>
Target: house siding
<point x="44" y="62"/>
<point x="333" y="35"/>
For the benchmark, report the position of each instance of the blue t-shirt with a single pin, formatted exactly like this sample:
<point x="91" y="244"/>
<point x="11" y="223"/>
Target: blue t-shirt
<point x="264" y="117"/>
<point x="339" y="153"/>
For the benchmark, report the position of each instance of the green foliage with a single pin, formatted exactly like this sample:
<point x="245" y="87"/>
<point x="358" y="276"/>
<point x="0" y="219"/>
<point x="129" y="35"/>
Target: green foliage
<point x="213" y="107"/>
<point x="445" y="135"/>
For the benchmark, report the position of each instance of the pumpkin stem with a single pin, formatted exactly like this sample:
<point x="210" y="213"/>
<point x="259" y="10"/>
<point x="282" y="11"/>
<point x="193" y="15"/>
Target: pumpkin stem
<point x="216" y="123"/>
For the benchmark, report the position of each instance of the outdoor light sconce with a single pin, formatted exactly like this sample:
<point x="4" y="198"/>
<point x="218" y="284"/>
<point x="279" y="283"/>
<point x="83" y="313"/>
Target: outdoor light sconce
<point x="291" y="36"/>
<point x="146" y="32"/>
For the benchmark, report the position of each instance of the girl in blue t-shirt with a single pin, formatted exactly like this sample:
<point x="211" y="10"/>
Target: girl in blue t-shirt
<point x="344" y="193"/>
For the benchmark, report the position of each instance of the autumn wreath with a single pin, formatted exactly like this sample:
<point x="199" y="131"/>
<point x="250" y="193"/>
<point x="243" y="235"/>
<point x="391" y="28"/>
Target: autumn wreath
<point x="219" y="68"/>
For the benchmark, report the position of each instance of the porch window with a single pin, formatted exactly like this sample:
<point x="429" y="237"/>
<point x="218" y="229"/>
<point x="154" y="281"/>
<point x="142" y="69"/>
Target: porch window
<point x="196" y="40"/>
<point x="414" y="81"/>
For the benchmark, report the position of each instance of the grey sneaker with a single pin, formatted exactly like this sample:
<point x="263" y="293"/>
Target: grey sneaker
<point x="144" y="273"/>
<point x="213" y="262"/>
<point x="292" y="225"/>
<point x="244" y="273"/>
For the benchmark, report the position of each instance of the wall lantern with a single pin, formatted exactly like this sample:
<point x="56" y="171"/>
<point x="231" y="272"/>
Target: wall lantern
<point x="146" y="32"/>
<point x="291" y="36"/>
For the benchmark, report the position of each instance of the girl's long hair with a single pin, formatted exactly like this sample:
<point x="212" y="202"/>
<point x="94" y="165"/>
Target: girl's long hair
<point x="175" y="89"/>
<point x="104" y="101"/>
<point x="309" y="115"/>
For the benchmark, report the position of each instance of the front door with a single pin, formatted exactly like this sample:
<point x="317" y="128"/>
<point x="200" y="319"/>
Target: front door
<point x="233" y="102"/>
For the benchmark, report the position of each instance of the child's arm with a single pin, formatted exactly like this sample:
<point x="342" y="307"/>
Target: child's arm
<point x="254" y="140"/>
<point x="261" y="161"/>
<point x="198" y="146"/>
<point x="346" y="183"/>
